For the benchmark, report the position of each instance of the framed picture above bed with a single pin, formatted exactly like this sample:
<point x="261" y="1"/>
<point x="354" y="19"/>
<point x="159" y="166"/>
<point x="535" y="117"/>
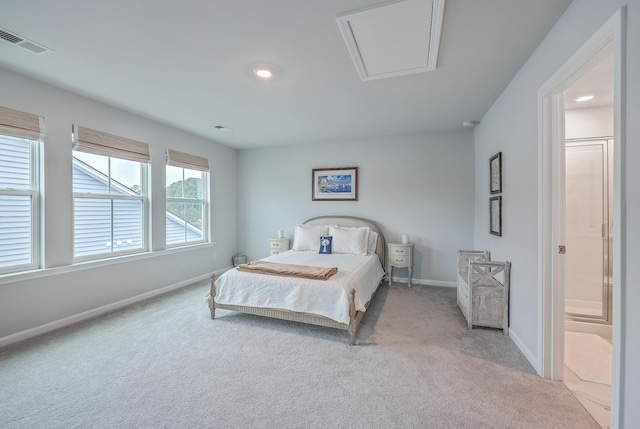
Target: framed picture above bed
<point x="334" y="184"/>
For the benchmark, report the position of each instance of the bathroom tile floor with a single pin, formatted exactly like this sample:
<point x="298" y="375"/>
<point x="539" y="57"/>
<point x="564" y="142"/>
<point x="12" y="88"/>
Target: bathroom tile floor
<point x="595" y="396"/>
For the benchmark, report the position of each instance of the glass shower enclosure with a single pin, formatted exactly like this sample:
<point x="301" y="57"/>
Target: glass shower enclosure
<point x="589" y="231"/>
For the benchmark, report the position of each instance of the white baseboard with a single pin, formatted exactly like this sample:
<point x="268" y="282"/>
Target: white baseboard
<point x="532" y="358"/>
<point x="603" y="330"/>
<point x="85" y="315"/>
<point x="426" y="282"/>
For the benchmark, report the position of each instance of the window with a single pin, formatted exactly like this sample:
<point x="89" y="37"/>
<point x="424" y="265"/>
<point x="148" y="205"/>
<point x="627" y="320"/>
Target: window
<point x="20" y="134"/>
<point x="18" y="205"/>
<point x="187" y="201"/>
<point x="110" y="195"/>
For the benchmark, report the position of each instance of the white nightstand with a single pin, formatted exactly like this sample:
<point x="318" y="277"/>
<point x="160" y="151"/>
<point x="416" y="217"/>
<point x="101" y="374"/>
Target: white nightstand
<point x="400" y="256"/>
<point x="278" y="245"/>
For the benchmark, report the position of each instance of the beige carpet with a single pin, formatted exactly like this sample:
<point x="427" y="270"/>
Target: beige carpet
<point x="588" y="356"/>
<point x="164" y="363"/>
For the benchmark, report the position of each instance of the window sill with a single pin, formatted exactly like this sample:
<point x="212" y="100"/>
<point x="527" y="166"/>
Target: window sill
<point x="44" y="272"/>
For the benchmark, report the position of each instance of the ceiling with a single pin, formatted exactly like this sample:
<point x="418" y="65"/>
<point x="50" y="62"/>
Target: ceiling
<point x="189" y="64"/>
<point x="597" y="80"/>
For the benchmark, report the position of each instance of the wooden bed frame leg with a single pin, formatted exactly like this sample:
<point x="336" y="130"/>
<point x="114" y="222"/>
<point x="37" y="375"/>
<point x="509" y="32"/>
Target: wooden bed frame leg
<point x="352" y="316"/>
<point x="212" y="302"/>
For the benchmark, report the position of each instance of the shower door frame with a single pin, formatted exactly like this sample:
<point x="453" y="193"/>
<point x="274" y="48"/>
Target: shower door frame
<point x="607" y="272"/>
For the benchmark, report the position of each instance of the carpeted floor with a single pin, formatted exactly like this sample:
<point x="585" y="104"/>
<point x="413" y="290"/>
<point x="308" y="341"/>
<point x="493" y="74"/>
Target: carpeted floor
<point x="165" y="364"/>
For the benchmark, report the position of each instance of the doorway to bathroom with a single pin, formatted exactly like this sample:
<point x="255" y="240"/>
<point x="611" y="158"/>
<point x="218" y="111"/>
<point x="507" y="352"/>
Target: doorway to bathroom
<point x="588" y="235"/>
<point x="557" y="314"/>
<point x="589" y="284"/>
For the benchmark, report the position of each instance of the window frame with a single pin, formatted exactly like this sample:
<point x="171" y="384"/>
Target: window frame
<point x="143" y="197"/>
<point x="205" y="208"/>
<point x="35" y="195"/>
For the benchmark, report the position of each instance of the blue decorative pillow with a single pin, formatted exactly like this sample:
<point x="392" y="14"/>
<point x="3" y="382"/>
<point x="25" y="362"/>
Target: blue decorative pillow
<point x="325" y="244"/>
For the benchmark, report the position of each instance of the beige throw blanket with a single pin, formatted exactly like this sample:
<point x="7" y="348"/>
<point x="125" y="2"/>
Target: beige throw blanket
<point x="289" y="270"/>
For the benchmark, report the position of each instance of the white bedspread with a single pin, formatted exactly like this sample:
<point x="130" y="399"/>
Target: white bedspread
<point x="328" y="298"/>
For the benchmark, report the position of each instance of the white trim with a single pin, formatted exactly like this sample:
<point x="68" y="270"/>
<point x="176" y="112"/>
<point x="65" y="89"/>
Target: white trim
<point x="619" y="335"/>
<point x="37" y="203"/>
<point x="85" y="315"/>
<point x="425" y="282"/>
<point x="33" y="192"/>
<point x="601" y="329"/>
<point x="528" y="354"/>
<point x="550" y="298"/>
<point x="119" y="259"/>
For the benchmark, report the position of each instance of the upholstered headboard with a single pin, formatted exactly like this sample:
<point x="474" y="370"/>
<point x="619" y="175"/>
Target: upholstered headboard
<point x="352" y="221"/>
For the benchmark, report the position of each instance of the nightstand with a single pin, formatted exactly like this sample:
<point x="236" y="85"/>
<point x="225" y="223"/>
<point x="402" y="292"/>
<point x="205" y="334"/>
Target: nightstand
<point x="400" y="256"/>
<point x="278" y="245"/>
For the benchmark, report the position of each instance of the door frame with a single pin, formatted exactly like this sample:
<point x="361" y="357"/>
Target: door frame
<point x="551" y="180"/>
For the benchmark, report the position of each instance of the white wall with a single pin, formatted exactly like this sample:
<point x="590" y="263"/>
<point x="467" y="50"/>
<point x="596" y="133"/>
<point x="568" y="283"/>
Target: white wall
<point x="511" y="125"/>
<point x="63" y="290"/>
<point x="421" y="186"/>
<point x="589" y="122"/>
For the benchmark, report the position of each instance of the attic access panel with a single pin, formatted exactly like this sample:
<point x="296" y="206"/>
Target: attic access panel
<point x="393" y="39"/>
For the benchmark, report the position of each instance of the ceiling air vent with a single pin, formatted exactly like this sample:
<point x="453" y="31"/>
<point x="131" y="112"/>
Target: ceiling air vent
<point x="27" y="44"/>
<point x="393" y="39"/>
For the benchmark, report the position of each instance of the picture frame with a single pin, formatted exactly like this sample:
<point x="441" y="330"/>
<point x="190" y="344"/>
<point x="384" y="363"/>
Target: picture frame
<point x="334" y="184"/>
<point x="495" y="215"/>
<point x="495" y="173"/>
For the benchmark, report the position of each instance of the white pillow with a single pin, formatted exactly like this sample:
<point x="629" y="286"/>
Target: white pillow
<point x="349" y="240"/>
<point x="373" y="241"/>
<point x="307" y="237"/>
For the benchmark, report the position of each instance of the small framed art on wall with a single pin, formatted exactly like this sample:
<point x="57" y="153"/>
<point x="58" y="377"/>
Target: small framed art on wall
<point x="495" y="169"/>
<point x="334" y="184"/>
<point x="495" y="215"/>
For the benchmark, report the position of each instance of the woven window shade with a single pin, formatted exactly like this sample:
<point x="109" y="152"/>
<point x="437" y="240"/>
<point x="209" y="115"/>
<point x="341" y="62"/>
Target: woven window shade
<point x="20" y="124"/>
<point x="99" y="143"/>
<point x="184" y="160"/>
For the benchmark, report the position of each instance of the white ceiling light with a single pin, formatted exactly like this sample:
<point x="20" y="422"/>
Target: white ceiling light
<point x="394" y="39"/>
<point x="264" y="73"/>
<point x="584" y="98"/>
<point x="470" y="124"/>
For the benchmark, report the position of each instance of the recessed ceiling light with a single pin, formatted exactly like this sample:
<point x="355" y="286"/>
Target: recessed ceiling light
<point x="470" y="124"/>
<point x="584" y="98"/>
<point x="264" y="73"/>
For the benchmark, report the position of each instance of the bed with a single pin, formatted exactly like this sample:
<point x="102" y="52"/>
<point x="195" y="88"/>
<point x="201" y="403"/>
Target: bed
<point x="337" y="302"/>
